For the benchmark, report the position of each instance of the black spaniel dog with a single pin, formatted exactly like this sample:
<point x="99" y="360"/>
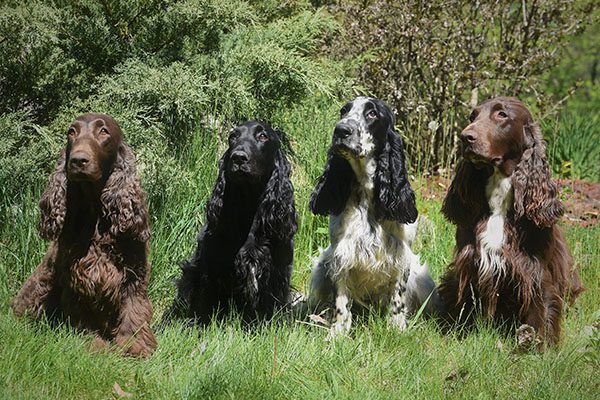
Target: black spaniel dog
<point x="245" y="250"/>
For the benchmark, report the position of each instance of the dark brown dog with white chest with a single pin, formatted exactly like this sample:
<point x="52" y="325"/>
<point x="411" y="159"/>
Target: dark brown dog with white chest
<point x="95" y="273"/>
<point x="511" y="260"/>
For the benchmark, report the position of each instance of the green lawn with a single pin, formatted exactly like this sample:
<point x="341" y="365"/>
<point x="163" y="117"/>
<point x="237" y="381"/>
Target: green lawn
<point x="285" y="359"/>
<point x="290" y="359"/>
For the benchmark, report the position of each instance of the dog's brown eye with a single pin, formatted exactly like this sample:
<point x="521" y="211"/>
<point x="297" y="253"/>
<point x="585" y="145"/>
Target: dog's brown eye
<point x="263" y="137"/>
<point x="473" y="116"/>
<point x="372" y="114"/>
<point x="502" y="114"/>
<point x="71" y="132"/>
<point x="104" y="131"/>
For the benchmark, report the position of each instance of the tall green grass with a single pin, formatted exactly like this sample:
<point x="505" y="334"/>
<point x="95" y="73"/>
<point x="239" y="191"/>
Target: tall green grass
<point x="286" y="358"/>
<point x="574" y="145"/>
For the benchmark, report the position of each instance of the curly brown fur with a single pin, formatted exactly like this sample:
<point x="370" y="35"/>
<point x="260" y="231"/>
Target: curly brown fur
<point x="95" y="273"/>
<point x="532" y="273"/>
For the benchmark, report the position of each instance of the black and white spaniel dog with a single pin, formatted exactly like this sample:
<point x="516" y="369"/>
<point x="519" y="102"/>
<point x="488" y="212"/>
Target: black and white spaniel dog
<point x="365" y="191"/>
<point x="245" y="249"/>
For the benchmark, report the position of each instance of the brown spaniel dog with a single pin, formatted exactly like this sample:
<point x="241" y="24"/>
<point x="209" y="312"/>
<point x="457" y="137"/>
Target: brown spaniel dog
<point x="511" y="261"/>
<point x="95" y="273"/>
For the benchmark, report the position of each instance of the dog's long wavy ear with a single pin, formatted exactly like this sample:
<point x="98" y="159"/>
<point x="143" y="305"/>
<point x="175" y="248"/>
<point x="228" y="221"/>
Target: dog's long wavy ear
<point x="277" y="210"/>
<point x="124" y="200"/>
<point x="53" y="204"/>
<point x="535" y="192"/>
<point x="217" y="198"/>
<point x="333" y="188"/>
<point x="394" y="197"/>
<point x="465" y="199"/>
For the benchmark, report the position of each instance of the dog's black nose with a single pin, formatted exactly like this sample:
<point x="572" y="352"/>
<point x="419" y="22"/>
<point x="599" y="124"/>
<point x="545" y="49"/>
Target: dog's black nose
<point x="342" y="130"/>
<point x="79" y="160"/>
<point x="468" y="136"/>
<point x="239" y="157"/>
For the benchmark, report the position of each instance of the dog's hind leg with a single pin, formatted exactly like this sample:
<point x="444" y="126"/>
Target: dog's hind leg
<point x="36" y="291"/>
<point x="321" y="287"/>
<point x="421" y="289"/>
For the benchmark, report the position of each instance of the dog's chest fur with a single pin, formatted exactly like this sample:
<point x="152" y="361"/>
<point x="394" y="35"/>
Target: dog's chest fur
<point x="491" y="239"/>
<point x="368" y="253"/>
<point x="94" y="274"/>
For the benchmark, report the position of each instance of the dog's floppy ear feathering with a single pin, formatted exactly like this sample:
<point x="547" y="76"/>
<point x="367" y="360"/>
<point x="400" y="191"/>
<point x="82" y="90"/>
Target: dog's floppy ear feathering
<point x="276" y="211"/>
<point x="53" y="204"/>
<point x="394" y="197"/>
<point x="124" y="200"/>
<point x="535" y="193"/>
<point x="465" y="199"/>
<point x="333" y="188"/>
<point x="217" y="198"/>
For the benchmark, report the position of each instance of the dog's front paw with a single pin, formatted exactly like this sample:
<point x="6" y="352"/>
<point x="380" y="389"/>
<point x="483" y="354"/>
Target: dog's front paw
<point x="98" y="344"/>
<point x="18" y="307"/>
<point x="249" y="295"/>
<point x="399" y="321"/>
<point x="341" y="327"/>
<point x="337" y="331"/>
<point x="246" y="293"/>
<point x="133" y="346"/>
<point x="527" y="339"/>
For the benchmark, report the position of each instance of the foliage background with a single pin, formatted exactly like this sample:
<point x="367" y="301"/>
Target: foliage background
<point x="177" y="74"/>
<point x="434" y="60"/>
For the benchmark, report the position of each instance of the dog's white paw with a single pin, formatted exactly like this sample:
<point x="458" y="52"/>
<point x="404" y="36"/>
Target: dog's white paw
<point x="340" y="328"/>
<point x="399" y="321"/>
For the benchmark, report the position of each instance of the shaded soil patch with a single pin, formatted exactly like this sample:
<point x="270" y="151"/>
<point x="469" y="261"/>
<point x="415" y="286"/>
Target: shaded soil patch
<point x="581" y="200"/>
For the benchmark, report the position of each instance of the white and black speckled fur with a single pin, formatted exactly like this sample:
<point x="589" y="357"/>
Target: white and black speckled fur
<point x="369" y="260"/>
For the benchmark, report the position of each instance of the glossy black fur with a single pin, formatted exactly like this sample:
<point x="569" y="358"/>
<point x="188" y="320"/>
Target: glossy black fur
<point x="245" y="250"/>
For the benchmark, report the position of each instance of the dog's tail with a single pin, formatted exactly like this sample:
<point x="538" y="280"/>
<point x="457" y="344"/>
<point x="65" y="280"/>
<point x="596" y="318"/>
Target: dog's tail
<point x="421" y="290"/>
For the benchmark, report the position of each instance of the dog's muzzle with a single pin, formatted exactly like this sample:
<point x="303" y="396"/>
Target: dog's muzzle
<point x="239" y="163"/>
<point x="344" y="138"/>
<point x="82" y="167"/>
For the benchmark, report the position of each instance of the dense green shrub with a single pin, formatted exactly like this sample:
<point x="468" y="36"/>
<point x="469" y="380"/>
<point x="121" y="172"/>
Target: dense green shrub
<point x="26" y="151"/>
<point x="167" y="70"/>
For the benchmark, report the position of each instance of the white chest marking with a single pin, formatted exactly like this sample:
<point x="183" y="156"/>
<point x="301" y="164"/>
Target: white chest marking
<point x="499" y="192"/>
<point x="369" y="254"/>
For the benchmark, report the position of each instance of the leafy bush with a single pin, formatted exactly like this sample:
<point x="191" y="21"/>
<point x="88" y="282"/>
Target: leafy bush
<point x="174" y="96"/>
<point x="167" y="70"/>
<point x="27" y="151"/>
<point x="433" y="60"/>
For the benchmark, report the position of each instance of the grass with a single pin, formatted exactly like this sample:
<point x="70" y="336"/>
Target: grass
<point x="573" y="145"/>
<point x="285" y="359"/>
